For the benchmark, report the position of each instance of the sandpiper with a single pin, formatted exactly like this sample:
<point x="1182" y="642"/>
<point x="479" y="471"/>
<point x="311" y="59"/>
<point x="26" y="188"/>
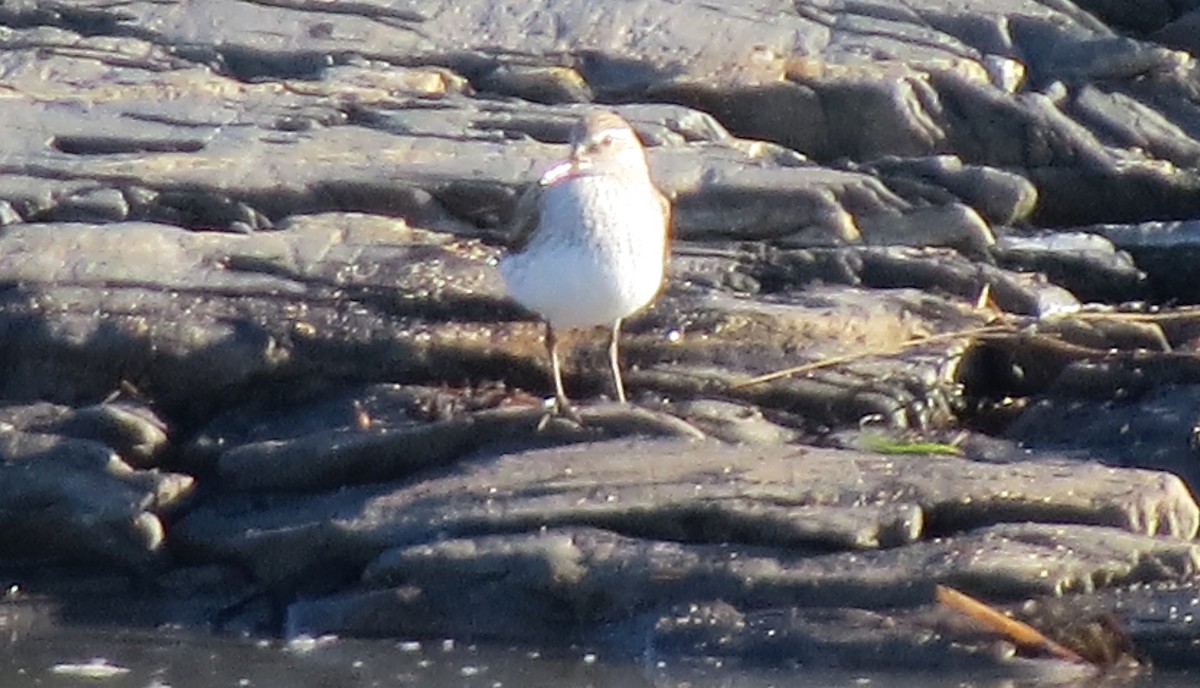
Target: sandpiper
<point x="592" y="240"/>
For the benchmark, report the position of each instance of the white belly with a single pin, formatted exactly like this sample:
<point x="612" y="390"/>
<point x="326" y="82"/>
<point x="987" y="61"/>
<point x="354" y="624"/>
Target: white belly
<point x="590" y="263"/>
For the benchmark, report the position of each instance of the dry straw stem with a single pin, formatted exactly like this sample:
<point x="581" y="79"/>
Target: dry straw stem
<point x="1000" y="326"/>
<point x="1183" y="313"/>
<point x="1019" y="632"/>
<point x="887" y="351"/>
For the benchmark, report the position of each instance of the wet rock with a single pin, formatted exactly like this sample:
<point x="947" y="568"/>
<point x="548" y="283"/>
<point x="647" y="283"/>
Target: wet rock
<point x="131" y="430"/>
<point x="802" y="497"/>
<point x="1088" y="265"/>
<point x="578" y="578"/>
<point x="1001" y="197"/>
<point x="1162" y="250"/>
<point x="538" y="84"/>
<point x="909" y="104"/>
<point x="1123" y="117"/>
<point x="8" y="214"/>
<point x="1150" y="431"/>
<point x="272" y="230"/>
<point x="385" y="451"/>
<point x="1096" y="57"/>
<point x="195" y="319"/>
<point x="1100" y="354"/>
<point x="338" y="458"/>
<point x="1159" y="618"/>
<point x="952" y="225"/>
<point x="1143" y="19"/>
<point x="76" y="500"/>
<point x="919" y="639"/>
<point x="94" y="205"/>
<point x="1181" y="33"/>
<point x="1022" y="293"/>
<point x="732" y="422"/>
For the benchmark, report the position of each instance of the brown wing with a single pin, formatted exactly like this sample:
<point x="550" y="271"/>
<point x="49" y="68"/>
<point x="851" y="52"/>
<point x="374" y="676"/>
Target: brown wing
<point x="525" y="217"/>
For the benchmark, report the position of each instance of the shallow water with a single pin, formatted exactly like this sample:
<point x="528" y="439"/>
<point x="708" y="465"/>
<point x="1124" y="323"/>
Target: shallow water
<point x="141" y="659"/>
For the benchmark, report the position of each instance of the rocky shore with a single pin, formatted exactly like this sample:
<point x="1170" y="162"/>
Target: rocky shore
<point x="930" y="321"/>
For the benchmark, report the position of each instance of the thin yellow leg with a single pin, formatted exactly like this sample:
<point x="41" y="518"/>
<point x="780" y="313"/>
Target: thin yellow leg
<point x="614" y="360"/>
<point x="560" y="394"/>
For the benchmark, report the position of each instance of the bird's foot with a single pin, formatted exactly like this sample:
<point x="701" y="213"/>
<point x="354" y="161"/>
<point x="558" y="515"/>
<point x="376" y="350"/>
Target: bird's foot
<point x="563" y="407"/>
<point x="559" y="408"/>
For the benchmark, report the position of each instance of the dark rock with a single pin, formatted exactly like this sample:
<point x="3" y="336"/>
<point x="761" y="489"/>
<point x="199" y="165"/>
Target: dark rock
<point x="693" y="492"/>
<point x="390" y="451"/>
<point x="561" y="581"/>
<point x="1150" y="430"/>
<point x="1122" y="117"/>
<point x="96" y="206"/>
<point x="1142" y="19"/>
<point x="732" y="422"/>
<point x="951" y="225"/>
<point x="131" y="430"/>
<point x="75" y="500"/>
<point x="280" y="247"/>
<point x="1086" y="264"/>
<point x="194" y="318"/>
<point x="8" y="214"/>
<point x="538" y="84"/>
<point x="1001" y="197"/>
<point x="1163" y="250"/>
<point x="1181" y="33"/>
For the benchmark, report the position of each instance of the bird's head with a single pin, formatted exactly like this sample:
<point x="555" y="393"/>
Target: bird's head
<point x="603" y="139"/>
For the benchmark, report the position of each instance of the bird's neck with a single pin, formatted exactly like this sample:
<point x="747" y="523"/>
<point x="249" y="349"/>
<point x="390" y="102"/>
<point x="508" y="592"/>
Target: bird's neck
<point x="630" y="167"/>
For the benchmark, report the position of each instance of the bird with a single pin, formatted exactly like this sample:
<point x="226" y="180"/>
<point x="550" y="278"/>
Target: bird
<point x="590" y="240"/>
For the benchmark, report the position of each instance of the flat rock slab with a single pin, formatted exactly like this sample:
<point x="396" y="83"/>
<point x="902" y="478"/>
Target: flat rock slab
<point x="73" y="498"/>
<point x="1159" y="619"/>
<point x="232" y="209"/>
<point x="1157" y="431"/>
<point x="199" y="319"/>
<point x="572" y="580"/>
<point x="695" y="520"/>
<point x="318" y="461"/>
<point x="279" y="106"/>
<point x="634" y="486"/>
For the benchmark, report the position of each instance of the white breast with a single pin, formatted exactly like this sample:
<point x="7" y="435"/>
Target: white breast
<point x="596" y="256"/>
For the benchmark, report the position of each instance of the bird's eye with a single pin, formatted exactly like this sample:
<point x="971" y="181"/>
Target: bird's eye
<point x="606" y="140"/>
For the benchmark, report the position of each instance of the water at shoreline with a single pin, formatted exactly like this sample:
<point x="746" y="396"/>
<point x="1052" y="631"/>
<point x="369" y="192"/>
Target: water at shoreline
<point x="182" y="659"/>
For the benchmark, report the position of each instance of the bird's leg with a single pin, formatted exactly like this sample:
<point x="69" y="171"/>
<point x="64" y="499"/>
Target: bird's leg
<point x="614" y="360"/>
<point x="562" y="404"/>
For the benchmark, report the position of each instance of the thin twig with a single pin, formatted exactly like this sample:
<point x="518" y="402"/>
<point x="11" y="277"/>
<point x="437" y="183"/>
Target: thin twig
<point x="1182" y="313"/>
<point x="991" y="618"/>
<point x="838" y="360"/>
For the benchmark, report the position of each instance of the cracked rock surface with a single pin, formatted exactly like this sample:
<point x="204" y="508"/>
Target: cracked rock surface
<point x="929" y="320"/>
